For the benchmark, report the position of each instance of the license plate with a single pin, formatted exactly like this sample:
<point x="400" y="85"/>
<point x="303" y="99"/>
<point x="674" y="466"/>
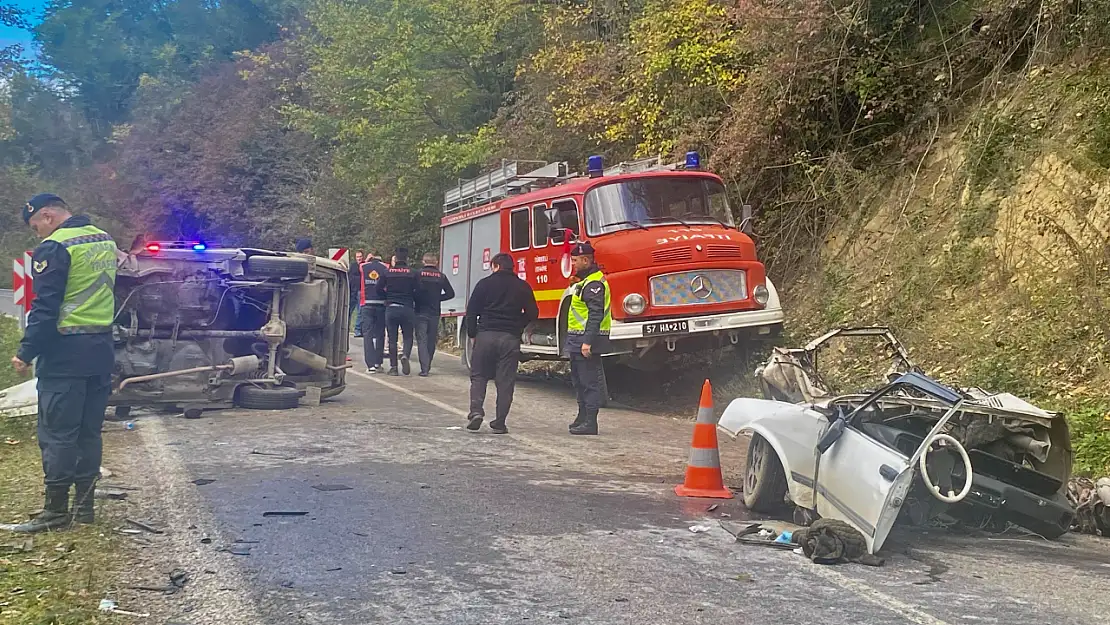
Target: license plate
<point x="666" y="327"/>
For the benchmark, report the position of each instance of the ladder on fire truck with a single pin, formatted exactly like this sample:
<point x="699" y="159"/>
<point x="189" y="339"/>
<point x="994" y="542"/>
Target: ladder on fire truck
<point x="508" y="180"/>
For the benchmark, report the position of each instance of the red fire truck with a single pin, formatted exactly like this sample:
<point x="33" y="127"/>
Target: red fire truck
<point x="683" y="276"/>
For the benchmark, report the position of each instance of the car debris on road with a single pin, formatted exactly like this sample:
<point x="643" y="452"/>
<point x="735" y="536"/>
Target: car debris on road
<point x="914" y="451"/>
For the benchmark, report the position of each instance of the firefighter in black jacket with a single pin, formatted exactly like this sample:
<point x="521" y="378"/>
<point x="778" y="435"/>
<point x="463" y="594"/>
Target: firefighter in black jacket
<point x="372" y="317"/>
<point x="432" y="290"/>
<point x="399" y="290"/>
<point x="69" y="332"/>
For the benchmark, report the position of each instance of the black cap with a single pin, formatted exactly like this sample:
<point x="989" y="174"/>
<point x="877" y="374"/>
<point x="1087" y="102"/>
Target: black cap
<point x="39" y="202"/>
<point x="582" y="249"/>
<point x="303" y="244"/>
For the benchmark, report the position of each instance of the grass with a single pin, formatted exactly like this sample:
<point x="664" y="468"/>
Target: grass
<point x="56" y="578"/>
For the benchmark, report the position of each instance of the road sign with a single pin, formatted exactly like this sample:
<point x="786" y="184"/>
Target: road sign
<point x="340" y="255"/>
<point x="23" y="285"/>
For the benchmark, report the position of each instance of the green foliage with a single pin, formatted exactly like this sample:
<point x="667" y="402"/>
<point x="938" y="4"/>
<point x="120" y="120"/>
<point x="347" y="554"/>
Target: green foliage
<point x="9" y="344"/>
<point x="1090" y="435"/>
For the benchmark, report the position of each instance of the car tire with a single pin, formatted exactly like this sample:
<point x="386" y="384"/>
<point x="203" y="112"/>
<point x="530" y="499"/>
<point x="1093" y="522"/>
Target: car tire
<point x="259" y="398"/>
<point x="764" y="478"/>
<point x="277" y="267"/>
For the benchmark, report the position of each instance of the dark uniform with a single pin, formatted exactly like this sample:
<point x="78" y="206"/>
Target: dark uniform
<point x="588" y="324"/>
<point x="432" y="290"/>
<point x="400" y="302"/>
<point x="373" y="313"/>
<point x="500" y="307"/>
<point x="69" y="336"/>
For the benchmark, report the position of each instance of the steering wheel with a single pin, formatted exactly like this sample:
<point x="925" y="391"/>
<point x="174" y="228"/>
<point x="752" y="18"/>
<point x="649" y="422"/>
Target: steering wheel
<point x="946" y="441"/>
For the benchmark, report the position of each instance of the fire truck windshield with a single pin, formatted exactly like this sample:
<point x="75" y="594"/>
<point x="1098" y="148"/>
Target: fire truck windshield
<point x="654" y="201"/>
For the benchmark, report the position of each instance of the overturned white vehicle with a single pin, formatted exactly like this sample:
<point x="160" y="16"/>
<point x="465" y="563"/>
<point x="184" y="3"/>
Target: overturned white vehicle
<point x="914" y="450"/>
<point x="202" y="327"/>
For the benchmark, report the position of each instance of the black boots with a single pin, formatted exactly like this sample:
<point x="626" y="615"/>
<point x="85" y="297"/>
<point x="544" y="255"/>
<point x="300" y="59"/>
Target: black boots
<point x="83" y="501"/>
<point x="54" y="515"/>
<point x="580" y="418"/>
<point x="588" y="426"/>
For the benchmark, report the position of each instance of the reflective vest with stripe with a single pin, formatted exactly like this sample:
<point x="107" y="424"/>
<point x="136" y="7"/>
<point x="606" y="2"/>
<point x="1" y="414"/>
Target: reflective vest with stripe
<point x="90" y="302"/>
<point x="579" y="311"/>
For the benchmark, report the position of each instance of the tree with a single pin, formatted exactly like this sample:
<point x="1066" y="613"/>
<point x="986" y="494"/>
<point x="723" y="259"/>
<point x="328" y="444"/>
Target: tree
<point x="103" y="48"/>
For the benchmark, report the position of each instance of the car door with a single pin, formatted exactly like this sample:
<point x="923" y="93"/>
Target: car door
<point x="863" y="483"/>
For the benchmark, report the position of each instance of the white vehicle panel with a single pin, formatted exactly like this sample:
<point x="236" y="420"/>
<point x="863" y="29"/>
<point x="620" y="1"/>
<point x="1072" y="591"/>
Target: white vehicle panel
<point x="792" y="430"/>
<point x="863" y="483"/>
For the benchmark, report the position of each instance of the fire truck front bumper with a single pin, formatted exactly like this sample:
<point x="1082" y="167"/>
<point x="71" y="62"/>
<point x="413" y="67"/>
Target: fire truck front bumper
<point x="734" y="325"/>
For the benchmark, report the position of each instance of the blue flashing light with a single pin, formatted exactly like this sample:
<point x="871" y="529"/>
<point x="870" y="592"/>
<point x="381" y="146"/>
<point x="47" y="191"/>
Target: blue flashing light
<point x="693" y="160"/>
<point x="595" y="165"/>
<point x="199" y="247"/>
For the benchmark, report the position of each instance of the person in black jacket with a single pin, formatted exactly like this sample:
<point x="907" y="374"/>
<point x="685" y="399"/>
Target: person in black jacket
<point x="432" y="290"/>
<point x="500" y="307"/>
<point x="372" y="313"/>
<point x="399" y="289"/>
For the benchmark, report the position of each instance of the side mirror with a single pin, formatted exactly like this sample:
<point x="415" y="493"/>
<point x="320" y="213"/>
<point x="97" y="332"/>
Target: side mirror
<point x="555" y="233"/>
<point x="836" y="430"/>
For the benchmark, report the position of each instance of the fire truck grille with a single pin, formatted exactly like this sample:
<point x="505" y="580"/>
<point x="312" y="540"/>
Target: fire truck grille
<point x="711" y="286"/>
<point x="674" y="254"/>
<point x="723" y="251"/>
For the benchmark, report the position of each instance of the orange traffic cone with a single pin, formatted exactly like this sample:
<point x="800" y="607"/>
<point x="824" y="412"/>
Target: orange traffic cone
<point x="703" y="470"/>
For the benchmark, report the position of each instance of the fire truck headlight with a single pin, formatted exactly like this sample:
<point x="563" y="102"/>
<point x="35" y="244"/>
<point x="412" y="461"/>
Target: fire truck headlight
<point x="634" y="303"/>
<point x="760" y="294"/>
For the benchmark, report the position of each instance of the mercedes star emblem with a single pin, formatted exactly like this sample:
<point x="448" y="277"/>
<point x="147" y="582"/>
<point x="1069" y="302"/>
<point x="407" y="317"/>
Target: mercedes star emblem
<point x="701" y="287"/>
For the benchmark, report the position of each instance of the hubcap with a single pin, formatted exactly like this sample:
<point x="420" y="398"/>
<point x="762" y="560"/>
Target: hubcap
<point x="756" y="457"/>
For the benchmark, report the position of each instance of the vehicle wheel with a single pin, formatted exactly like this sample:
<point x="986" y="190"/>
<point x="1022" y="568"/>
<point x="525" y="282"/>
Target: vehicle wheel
<point x="466" y="354"/>
<point x="764" y="479"/>
<point x="258" y="398"/>
<point x="277" y="267"/>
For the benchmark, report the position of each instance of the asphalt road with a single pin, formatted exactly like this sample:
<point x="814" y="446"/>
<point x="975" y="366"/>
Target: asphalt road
<point x="7" y="303"/>
<point x="407" y="518"/>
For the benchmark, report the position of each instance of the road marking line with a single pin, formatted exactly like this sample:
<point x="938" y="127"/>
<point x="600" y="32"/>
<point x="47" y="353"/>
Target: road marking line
<point x="411" y="393"/>
<point x="879" y="598"/>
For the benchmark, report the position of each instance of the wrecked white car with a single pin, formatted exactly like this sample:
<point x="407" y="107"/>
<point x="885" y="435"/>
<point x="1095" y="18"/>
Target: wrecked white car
<point x="913" y="451"/>
<point x="201" y="327"/>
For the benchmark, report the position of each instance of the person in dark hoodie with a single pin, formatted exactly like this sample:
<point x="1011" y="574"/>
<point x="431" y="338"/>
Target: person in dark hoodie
<point x="432" y="290"/>
<point x="399" y="289"/>
<point x="500" y="307"/>
<point x="69" y="336"/>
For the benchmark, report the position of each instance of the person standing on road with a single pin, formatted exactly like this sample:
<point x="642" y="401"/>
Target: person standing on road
<point x="587" y="337"/>
<point x="69" y="332"/>
<point x="354" y="278"/>
<point x="400" y="302"/>
<point x="372" y="312"/>
<point x="500" y="307"/>
<point x="433" y="289"/>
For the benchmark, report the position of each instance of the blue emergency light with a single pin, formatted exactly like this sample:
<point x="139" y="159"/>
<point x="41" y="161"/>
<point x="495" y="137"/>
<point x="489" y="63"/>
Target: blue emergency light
<point x="595" y="166"/>
<point x="693" y="161"/>
<point x="199" y="247"/>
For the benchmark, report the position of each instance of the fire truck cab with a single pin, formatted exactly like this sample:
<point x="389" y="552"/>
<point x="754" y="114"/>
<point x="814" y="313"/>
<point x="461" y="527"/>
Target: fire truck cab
<point x="683" y="276"/>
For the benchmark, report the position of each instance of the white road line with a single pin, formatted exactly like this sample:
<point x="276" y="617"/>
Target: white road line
<point x="411" y="393"/>
<point x="865" y="592"/>
<point x="871" y="595"/>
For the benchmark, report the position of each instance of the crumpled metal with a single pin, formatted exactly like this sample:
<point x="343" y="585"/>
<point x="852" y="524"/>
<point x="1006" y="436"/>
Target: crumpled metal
<point x="1091" y="499"/>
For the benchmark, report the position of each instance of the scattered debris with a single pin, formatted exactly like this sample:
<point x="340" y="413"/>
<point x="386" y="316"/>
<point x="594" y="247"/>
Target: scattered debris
<point x="284" y="513"/>
<point x="361" y="534"/>
<point x="256" y="452"/>
<point x="105" y="473"/>
<point x="454" y="427"/>
<point x="1091" y="499"/>
<point x="24" y="545"/>
<point x="743" y="577"/>
<point x="109" y="493"/>
<point x="144" y="526"/>
<point x="205" y="541"/>
<point x="698" y="529"/>
<point x="399" y="571"/>
<point x="832" y="541"/>
<point x="129" y="531"/>
<point x="337" y="568"/>
<point x="714" y="507"/>
<point x="424" y="485"/>
<point x="237" y="550"/>
<point x="737" y="531"/>
<point x="178" y="578"/>
<point x="11" y="441"/>
<point x="621" y="599"/>
<point x="244" y="541"/>
<point x="204" y="481"/>
<point x="327" y="488"/>
<point x="287" y="584"/>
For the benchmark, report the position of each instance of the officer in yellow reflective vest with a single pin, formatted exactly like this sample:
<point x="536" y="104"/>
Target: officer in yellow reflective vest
<point x="69" y="335"/>
<point x="587" y="336"/>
